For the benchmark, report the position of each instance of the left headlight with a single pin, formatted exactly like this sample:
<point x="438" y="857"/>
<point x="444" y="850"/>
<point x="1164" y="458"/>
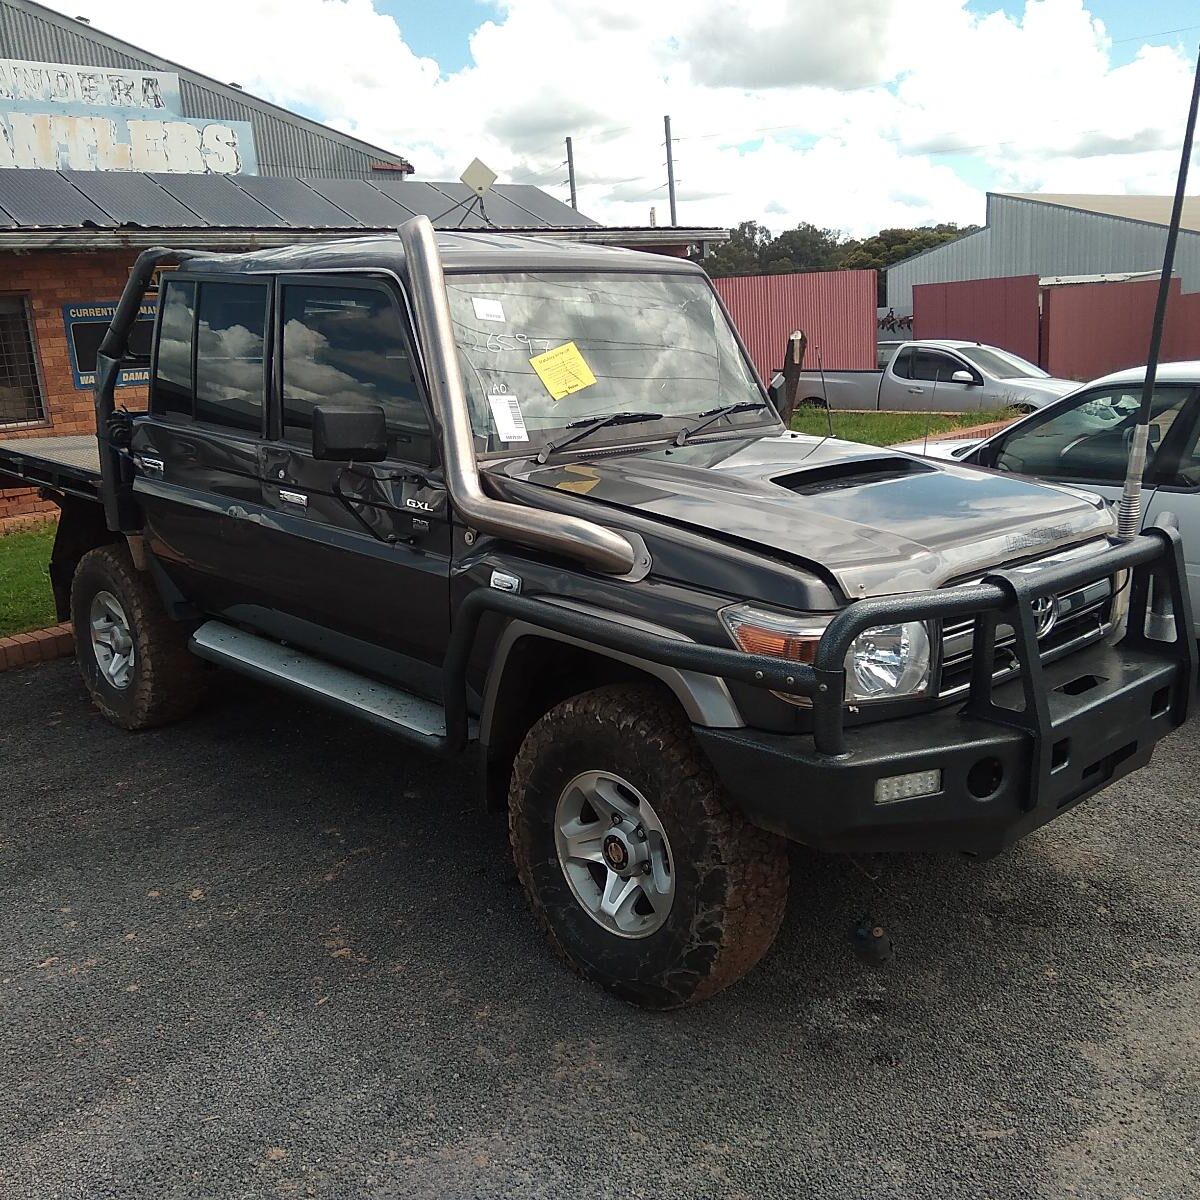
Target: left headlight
<point x="886" y="663"/>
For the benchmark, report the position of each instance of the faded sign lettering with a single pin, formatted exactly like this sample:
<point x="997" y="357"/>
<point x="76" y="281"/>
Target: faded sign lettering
<point x="55" y="117"/>
<point x="54" y="143"/>
<point x="35" y="85"/>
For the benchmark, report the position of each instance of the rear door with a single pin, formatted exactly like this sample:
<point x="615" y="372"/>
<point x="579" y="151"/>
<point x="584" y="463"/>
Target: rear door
<point x="198" y="454"/>
<point x="363" y="549"/>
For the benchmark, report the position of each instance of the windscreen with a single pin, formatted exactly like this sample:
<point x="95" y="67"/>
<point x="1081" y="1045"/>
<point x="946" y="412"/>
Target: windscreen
<point x="1001" y="364"/>
<point x="541" y="351"/>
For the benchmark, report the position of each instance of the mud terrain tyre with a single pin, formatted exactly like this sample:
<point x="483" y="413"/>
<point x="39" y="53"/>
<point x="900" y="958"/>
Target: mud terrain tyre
<point x="610" y="796"/>
<point x="133" y="658"/>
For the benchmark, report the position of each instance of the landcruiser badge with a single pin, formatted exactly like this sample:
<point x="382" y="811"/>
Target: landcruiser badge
<point x="1045" y="613"/>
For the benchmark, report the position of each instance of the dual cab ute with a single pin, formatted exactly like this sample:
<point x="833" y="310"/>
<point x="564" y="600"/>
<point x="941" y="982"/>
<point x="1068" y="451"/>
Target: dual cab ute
<point x="529" y="502"/>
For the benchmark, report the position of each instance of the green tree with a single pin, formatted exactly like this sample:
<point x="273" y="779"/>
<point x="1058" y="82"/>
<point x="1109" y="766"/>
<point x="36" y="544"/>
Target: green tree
<point x="890" y="246"/>
<point x="805" y="248"/>
<point x="742" y="254"/>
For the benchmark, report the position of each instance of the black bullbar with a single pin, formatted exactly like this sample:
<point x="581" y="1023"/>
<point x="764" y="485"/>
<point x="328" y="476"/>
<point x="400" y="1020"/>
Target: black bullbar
<point x="1009" y="758"/>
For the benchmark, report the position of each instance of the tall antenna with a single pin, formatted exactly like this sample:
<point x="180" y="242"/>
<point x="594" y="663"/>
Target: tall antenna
<point x="1129" y="512"/>
<point x="670" y="171"/>
<point x="825" y="393"/>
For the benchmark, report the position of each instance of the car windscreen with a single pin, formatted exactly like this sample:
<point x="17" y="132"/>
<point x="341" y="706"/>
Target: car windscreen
<point x="544" y="350"/>
<point x="1001" y="364"/>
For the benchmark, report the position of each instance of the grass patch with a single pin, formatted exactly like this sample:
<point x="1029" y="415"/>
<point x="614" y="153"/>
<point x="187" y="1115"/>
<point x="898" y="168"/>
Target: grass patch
<point x="888" y="428"/>
<point x="25" y="599"/>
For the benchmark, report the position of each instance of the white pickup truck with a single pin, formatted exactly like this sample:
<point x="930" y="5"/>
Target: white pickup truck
<point x="935" y="376"/>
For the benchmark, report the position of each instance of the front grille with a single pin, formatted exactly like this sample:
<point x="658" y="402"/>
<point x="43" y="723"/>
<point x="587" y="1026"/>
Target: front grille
<point x="1082" y="616"/>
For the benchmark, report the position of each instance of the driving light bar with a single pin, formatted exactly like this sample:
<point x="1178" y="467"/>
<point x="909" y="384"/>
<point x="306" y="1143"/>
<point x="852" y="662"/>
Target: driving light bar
<point x="894" y="788"/>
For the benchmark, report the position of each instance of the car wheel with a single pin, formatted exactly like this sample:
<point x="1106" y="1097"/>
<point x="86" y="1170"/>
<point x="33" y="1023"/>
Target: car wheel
<point x="643" y="877"/>
<point x="134" y="660"/>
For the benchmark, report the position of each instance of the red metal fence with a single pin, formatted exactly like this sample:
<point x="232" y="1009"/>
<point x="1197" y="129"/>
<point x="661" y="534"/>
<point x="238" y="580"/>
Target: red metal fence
<point x="1074" y="331"/>
<point x="1090" y="329"/>
<point x="1000" y="312"/>
<point x="836" y="309"/>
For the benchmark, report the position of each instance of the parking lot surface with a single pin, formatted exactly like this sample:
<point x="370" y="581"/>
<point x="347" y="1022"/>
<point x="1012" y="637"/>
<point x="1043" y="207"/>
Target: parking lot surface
<point x="268" y="952"/>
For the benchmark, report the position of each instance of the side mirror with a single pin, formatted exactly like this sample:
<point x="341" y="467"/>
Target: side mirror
<point x="349" y="434"/>
<point x="963" y="377"/>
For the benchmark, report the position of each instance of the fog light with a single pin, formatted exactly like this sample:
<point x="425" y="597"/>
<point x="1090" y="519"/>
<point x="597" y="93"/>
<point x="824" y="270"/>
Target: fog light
<point x="907" y="787"/>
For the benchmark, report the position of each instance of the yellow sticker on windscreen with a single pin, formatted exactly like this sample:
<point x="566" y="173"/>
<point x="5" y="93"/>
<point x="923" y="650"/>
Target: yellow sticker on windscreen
<point x="563" y="370"/>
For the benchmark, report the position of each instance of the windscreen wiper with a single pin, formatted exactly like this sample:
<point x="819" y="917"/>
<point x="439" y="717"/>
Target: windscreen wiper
<point x="715" y="414"/>
<point x="590" y="425"/>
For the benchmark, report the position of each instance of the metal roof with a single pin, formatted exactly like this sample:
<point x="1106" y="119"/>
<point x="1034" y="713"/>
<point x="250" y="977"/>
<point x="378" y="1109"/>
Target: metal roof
<point x="286" y="143"/>
<point x="91" y="210"/>
<point x="126" y="199"/>
<point x="1153" y="210"/>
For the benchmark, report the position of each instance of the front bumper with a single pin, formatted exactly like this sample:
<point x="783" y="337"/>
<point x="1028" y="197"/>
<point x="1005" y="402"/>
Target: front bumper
<point x="1105" y="710"/>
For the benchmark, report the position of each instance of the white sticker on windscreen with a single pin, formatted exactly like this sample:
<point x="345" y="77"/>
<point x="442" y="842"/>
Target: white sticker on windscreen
<point x="506" y="413"/>
<point x="487" y="309"/>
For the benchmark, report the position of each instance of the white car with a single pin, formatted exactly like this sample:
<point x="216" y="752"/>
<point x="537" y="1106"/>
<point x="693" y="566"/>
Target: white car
<point x="1084" y="438"/>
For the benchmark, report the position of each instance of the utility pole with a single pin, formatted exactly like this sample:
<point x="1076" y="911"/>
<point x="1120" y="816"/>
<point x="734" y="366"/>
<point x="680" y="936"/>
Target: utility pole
<point x="571" y="172"/>
<point x="670" y="171"/>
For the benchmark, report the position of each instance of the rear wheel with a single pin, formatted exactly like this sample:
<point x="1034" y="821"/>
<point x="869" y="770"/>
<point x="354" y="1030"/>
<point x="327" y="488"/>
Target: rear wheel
<point x="134" y="660"/>
<point x="643" y="877"/>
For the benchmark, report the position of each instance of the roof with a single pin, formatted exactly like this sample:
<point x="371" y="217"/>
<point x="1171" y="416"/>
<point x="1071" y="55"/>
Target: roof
<point x="1151" y="210"/>
<point x="460" y="252"/>
<point x="285" y="141"/>
<point x="105" y="209"/>
<point x="122" y="199"/>
<point x="1168" y="372"/>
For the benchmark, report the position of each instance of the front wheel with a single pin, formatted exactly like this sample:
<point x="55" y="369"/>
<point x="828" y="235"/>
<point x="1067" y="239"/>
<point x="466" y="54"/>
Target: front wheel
<point x="644" y="878"/>
<point x="133" y="658"/>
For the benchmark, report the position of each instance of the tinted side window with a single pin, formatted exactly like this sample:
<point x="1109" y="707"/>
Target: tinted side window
<point x="345" y="346"/>
<point x="902" y="367"/>
<point x="173" y="376"/>
<point x="229" y="355"/>
<point x="928" y="365"/>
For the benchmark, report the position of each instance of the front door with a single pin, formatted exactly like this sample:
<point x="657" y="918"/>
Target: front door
<point x="363" y="554"/>
<point x="929" y="386"/>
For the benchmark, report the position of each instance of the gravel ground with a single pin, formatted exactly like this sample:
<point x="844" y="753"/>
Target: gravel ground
<point x="270" y="953"/>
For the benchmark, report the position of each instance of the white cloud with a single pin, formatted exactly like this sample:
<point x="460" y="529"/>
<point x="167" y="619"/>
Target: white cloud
<point x="851" y="114"/>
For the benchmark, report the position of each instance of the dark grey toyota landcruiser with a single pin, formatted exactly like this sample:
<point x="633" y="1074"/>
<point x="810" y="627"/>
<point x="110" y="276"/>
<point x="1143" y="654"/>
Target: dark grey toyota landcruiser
<point x="529" y="500"/>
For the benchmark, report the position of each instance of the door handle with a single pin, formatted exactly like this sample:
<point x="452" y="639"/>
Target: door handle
<point x="152" y="468"/>
<point x="298" y="498"/>
<point x="916" y="391"/>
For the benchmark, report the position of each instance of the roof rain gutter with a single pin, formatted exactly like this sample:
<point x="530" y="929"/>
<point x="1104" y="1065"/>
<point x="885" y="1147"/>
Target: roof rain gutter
<point x="1129" y="512"/>
<point x="601" y="549"/>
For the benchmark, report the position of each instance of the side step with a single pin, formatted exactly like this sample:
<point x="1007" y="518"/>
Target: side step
<point x="412" y="717"/>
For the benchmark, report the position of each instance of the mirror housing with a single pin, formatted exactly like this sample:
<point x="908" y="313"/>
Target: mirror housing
<point x="963" y="377"/>
<point x="342" y="434"/>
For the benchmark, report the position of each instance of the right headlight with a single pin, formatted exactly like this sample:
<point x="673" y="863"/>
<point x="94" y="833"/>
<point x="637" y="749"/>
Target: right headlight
<point x="889" y="662"/>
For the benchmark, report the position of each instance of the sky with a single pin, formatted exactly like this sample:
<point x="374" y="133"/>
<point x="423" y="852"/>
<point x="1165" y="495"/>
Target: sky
<point x="854" y="115"/>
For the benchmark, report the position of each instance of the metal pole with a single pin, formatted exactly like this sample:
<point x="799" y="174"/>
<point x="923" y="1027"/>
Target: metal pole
<point x="1129" y="512"/>
<point x="670" y="171"/>
<point x="571" y="172"/>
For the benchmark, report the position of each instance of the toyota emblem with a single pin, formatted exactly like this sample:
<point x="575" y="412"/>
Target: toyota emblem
<point x="1045" y="613"/>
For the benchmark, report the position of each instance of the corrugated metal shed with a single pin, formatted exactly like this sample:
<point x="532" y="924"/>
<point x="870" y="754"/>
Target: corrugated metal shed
<point x="286" y="143"/>
<point x="1026" y="236"/>
<point x="836" y="309"/>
